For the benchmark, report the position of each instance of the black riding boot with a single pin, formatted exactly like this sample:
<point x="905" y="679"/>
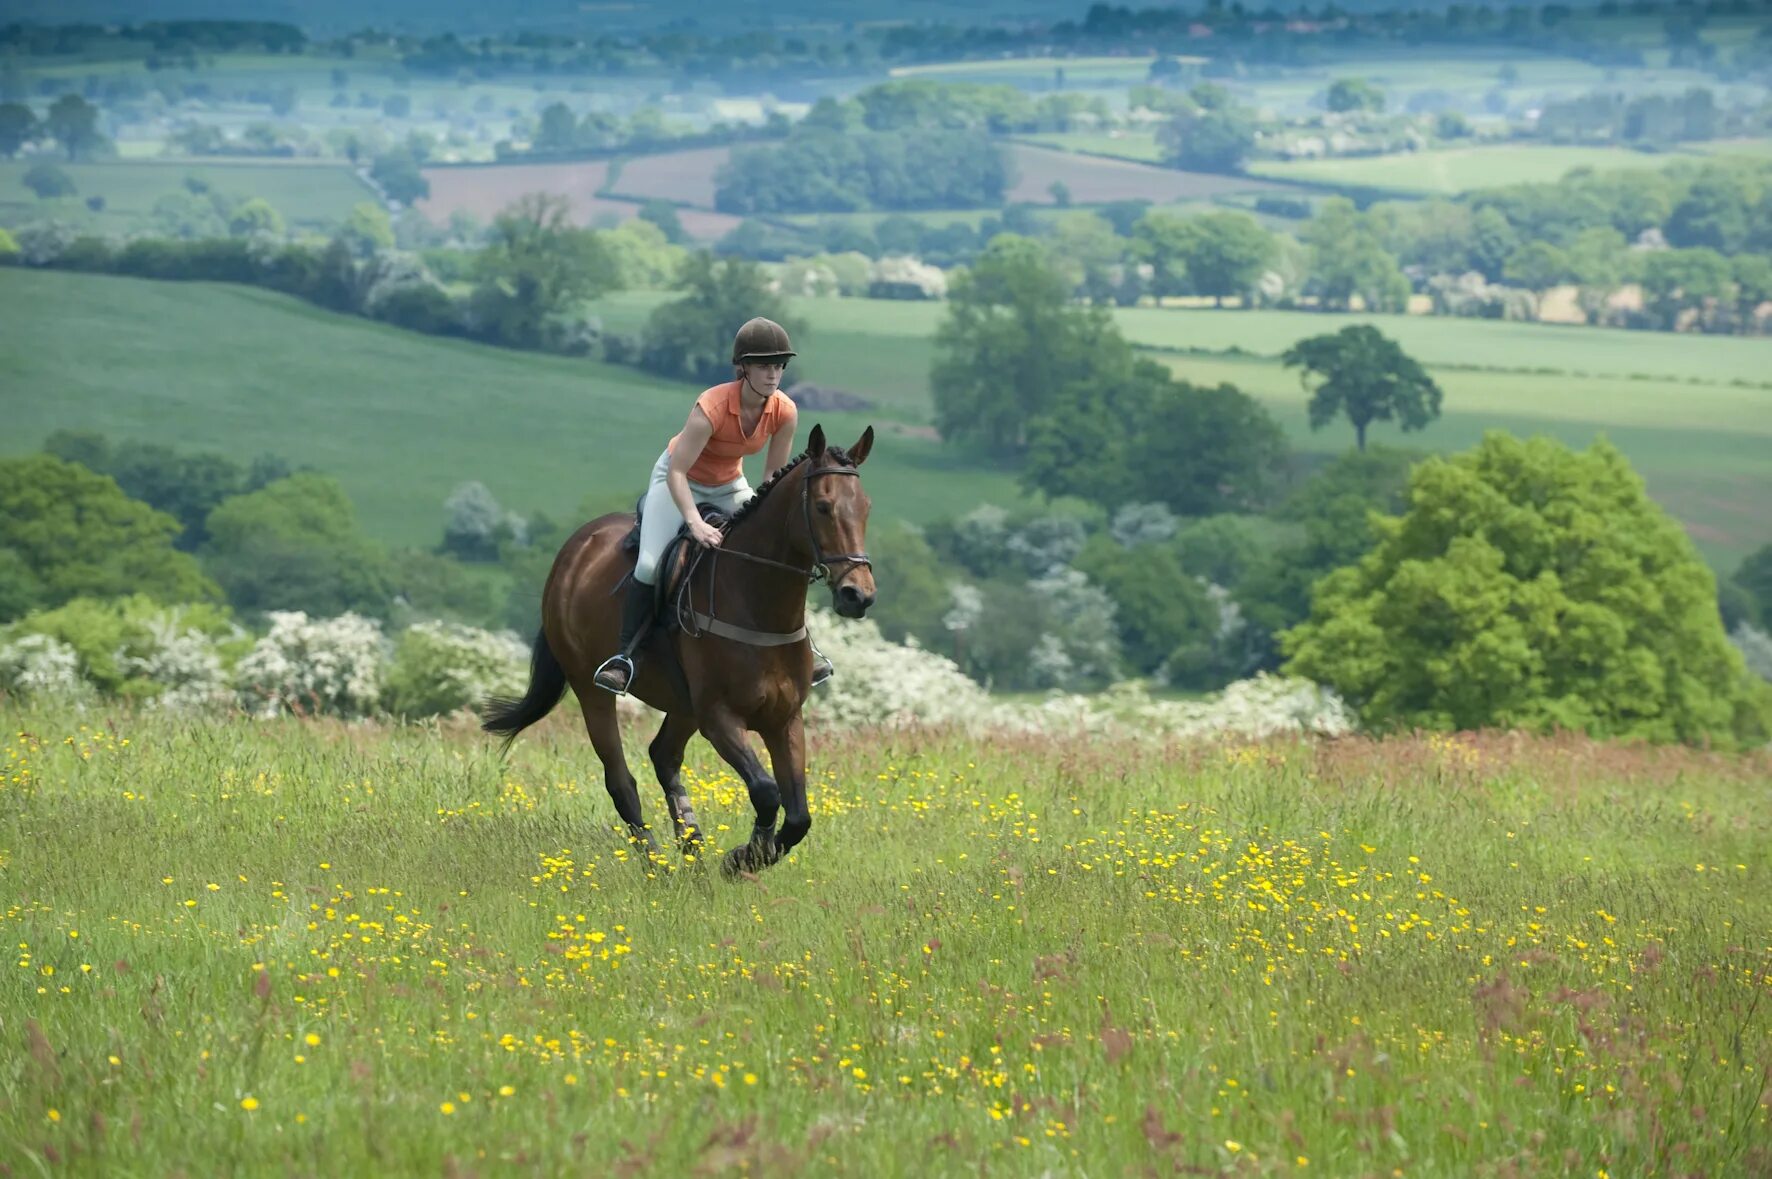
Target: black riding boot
<point x="617" y="671"/>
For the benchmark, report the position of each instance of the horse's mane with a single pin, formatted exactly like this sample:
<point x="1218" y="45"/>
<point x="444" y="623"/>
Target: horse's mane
<point x="833" y="454"/>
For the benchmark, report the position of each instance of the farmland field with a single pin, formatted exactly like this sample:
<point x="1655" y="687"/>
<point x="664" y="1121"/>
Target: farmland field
<point x="1092" y="180"/>
<point x="1039" y="73"/>
<point x="483" y="191"/>
<point x="1446" y="171"/>
<point x="367" y="950"/>
<point x="307" y="193"/>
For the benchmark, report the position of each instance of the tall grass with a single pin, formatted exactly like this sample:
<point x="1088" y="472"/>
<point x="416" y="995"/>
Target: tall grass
<point x="304" y="947"/>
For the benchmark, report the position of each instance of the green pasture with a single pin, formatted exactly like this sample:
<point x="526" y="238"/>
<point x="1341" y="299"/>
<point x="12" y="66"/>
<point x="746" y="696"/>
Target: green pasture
<point x="1452" y="170"/>
<point x="1038" y="72"/>
<point x="399" y="419"/>
<point x="307" y="193"/>
<point x="245" y="947"/>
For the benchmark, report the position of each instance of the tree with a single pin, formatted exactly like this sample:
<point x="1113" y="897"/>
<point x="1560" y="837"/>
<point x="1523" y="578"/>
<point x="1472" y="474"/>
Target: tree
<point x="1597" y="259"/>
<point x="18" y="126"/>
<point x="1754" y="575"/>
<point x="692" y="336"/>
<point x="1678" y="281"/>
<point x="1348" y="259"/>
<point x="254" y="217"/>
<point x="398" y="174"/>
<point x="536" y="266"/>
<point x="664" y="215"/>
<point x="1160" y="606"/>
<point x="1354" y="94"/>
<point x="295" y="545"/>
<point x="558" y="130"/>
<point x="1717" y="212"/>
<point x="73" y="123"/>
<point x="186" y="216"/>
<point x="1528" y="586"/>
<point x="1223" y="253"/>
<point x="367" y="230"/>
<point x="76" y="534"/>
<point x="1010" y="342"/>
<point x="1361" y="373"/>
<point x="1537" y="266"/>
<point x="48" y="181"/>
<point x="1207" y="139"/>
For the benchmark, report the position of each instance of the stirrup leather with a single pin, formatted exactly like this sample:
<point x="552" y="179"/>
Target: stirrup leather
<point x="614" y="662"/>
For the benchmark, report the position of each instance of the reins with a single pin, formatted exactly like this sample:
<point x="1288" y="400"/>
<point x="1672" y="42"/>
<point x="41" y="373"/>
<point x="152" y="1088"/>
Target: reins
<point x="695" y="624"/>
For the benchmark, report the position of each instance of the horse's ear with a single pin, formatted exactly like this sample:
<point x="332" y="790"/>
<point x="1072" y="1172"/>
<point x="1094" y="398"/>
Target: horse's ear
<point x="815" y="444"/>
<point x="859" y="452"/>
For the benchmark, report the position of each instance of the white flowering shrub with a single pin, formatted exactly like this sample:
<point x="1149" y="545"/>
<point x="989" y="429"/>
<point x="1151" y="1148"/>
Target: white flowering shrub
<point x="1084" y="636"/>
<point x="901" y="276"/>
<point x="42" y="667"/>
<point x="310" y="666"/>
<point x="1136" y="524"/>
<point x="181" y="660"/>
<point x="1265" y="706"/>
<point x="879" y="682"/>
<point x="884" y="683"/>
<point x="1755" y="646"/>
<point x="439" y="667"/>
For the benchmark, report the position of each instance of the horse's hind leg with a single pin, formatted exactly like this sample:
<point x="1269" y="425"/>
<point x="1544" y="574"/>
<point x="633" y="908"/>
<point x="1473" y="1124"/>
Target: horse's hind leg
<point x="727" y="735"/>
<point x="666" y="752"/>
<point x="600" y="723"/>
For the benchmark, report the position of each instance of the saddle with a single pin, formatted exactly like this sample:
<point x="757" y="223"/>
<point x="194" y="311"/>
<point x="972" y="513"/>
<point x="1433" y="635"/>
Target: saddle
<point x="674" y="560"/>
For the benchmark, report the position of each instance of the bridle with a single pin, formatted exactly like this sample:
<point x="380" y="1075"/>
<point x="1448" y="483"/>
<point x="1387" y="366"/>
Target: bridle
<point x="820" y="570"/>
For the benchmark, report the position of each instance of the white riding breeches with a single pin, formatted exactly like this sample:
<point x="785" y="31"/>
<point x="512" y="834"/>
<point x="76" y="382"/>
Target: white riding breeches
<point x="660" y="520"/>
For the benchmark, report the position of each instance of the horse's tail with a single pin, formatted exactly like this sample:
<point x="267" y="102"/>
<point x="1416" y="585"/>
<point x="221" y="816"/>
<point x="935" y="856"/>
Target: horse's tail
<point x="547" y="683"/>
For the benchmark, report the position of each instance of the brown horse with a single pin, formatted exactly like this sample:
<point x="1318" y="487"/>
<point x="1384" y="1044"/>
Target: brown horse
<point x="736" y="660"/>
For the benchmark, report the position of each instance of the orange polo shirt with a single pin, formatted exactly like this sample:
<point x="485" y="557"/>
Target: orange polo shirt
<point x="719" y="460"/>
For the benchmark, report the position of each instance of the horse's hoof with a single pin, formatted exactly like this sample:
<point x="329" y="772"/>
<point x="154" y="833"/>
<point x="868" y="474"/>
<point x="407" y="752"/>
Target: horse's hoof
<point x="736" y="864"/>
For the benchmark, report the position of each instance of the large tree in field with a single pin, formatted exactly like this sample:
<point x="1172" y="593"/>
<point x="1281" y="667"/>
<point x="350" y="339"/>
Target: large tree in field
<point x="1360" y="373"/>
<point x="536" y="265"/>
<point x="1528" y="586"/>
<point x="66" y="532"/>
<point x="1223" y="253"/>
<point x="1012" y="340"/>
<point x="73" y="123"/>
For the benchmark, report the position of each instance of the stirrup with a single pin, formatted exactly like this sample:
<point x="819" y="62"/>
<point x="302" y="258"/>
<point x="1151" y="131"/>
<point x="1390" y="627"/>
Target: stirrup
<point x="616" y="662"/>
<point x="822" y="671"/>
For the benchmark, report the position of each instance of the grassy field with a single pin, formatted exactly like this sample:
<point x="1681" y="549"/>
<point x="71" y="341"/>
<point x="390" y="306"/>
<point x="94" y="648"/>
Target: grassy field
<point x="400" y="419"/>
<point x="352" y="397"/>
<point x="249" y="947"/>
<point x="1445" y="171"/>
<point x="306" y="193"/>
<point x="1039" y="73"/>
<point x="1092" y="180"/>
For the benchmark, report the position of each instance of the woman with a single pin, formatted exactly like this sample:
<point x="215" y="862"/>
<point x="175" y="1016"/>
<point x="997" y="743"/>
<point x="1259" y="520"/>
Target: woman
<point x="701" y="465"/>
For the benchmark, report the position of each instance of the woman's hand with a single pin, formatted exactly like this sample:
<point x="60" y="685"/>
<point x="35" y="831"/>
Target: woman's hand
<point x="705" y="533"/>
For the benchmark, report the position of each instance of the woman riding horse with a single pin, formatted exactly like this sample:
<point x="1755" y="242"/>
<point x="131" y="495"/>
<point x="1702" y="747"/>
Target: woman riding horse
<point x="701" y="465"/>
<point x="739" y="660"/>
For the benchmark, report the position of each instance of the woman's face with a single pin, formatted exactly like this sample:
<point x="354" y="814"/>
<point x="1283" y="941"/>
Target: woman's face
<point x="765" y="376"/>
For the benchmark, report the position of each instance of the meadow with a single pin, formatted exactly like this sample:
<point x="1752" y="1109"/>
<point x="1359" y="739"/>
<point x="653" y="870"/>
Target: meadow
<point x="307" y="193"/>
<point x="1452" y="170"/>
<point x="305" y="946"/>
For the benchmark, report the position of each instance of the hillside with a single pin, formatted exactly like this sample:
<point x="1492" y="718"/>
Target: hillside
<point x="399" y="418"/>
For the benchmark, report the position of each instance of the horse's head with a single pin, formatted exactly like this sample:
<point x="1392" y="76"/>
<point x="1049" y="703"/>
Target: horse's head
<point x="837" y="520"/>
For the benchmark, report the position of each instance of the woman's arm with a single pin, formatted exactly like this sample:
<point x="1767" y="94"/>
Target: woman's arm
<point x="781" y="443"/>
<point x="690" y="443"/>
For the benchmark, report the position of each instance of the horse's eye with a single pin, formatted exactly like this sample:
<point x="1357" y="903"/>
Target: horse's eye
<point x="824" y="507"/>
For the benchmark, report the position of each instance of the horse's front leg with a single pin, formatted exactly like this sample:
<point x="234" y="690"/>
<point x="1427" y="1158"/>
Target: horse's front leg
<point x="726" y="733"/>
<point x="787" y="757"/>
